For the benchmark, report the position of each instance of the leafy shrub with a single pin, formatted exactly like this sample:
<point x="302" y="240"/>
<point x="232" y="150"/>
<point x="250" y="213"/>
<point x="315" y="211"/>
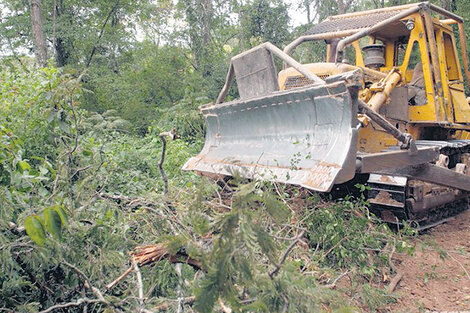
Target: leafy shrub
<point x="345" y="234"/>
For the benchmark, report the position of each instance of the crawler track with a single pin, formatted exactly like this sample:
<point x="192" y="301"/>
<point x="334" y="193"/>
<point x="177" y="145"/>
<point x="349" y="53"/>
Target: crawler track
<point x="397" y="199"/>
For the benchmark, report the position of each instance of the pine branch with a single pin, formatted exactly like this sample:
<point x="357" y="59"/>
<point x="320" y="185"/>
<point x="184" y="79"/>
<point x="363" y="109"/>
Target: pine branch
<point x="118" y="279"/>
<point x="86" y="280"/>
<point x="136" y="202"/>
<point x="149" y="254"/>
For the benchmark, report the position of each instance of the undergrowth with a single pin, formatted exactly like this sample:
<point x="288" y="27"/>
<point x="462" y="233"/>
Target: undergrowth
<point x="79" y="193"/>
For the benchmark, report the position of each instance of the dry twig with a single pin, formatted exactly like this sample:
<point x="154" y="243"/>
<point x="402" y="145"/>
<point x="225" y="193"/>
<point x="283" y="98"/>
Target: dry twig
<point x="394" y="282"/>
<point x="79" y="302"/>
<point x="286" y="253"/>
<point x="224" y="308"/>
<point x="166" y="305"/>
<point x="70" y="304"/>
<point x="333" y="284"/>
<point x="140" y="284"/>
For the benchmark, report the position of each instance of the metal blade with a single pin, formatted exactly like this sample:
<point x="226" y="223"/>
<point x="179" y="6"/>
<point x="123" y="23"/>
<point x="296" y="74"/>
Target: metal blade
<point x="304" y="137"/>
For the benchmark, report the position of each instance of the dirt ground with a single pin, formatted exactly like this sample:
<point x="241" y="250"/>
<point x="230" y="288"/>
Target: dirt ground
<point x="437" y="277"/>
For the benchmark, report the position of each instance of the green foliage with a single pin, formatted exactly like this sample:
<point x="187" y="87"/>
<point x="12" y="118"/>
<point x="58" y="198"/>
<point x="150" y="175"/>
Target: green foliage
<point x="88" y="191"/>
<point x="34" y="226"/>
<point x="55" y="156"/>
<point x="265" y="20"/>
<point x="348" y="236"/>
<point x="240" y="264"/>
<point x="53" y="222"/>
<point x="163" y="77"/>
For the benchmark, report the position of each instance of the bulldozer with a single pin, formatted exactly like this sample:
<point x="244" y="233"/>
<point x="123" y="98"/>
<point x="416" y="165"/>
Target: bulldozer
<point x="387" y="103"/>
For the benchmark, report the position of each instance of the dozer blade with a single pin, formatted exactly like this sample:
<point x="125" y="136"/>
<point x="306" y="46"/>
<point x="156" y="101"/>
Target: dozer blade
<point x="303" y="137"/>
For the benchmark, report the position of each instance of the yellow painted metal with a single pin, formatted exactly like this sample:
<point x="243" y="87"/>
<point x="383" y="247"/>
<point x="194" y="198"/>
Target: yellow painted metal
<point x="446" y="102"/>
<point x="444" y="75"/>
<point x="424" y="112"/>
<point x="359" y="59"/>
<point x="463" y="45"/>
<point x="389" y="55"/>
<point x="322" y="70"/>
<point x="383" y="89"/>
<point x="372" y="138"/>
<point x="454" y="78"/>
<point x="461" y="134"/>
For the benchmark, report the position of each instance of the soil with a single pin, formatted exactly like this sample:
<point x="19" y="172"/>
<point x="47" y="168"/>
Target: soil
<point x="437" y="276"/>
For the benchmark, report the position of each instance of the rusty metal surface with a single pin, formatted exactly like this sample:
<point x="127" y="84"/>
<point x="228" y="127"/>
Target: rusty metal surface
<point x="371" y="163"/>
<point x="433" y="174"/>
<point x="255" y="73"/>
<point x="388" y="179"/>
<point x="305" y="137"/>
<point x="397" y="108"/>
<point x="425" y="192"/>
<point x="300" y="81"/>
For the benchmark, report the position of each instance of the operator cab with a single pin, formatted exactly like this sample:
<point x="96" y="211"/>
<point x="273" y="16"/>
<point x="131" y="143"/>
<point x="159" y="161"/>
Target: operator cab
<point x="403" y="44"/>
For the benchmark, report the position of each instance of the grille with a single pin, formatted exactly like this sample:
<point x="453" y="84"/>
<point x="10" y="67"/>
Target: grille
<point x="299" y="81"/>
<point x="347" y="23"/>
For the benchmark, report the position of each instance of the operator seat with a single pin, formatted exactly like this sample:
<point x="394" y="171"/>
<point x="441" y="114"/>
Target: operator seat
<point x="416" y="87"/>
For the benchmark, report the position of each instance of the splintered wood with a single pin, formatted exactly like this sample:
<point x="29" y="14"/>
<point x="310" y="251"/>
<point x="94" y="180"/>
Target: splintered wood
<point x="150" y="254"/>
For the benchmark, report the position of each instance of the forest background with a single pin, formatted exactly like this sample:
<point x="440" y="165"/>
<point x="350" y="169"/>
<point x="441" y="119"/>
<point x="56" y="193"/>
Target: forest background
<point x="86" y="90"/>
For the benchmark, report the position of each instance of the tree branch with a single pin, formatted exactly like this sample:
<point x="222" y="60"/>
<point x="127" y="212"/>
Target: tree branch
<point x="394" y="282"/>
<point x="333" y="284"/>
<point x="166" y="305"/>
<point x="86" y="280"/>
<point x="286" y="253"/>
<point x="93" y="51"/>
<point x="162" y="158"/>
<point x="70" y="304"/>
<point x="140" y="285"/>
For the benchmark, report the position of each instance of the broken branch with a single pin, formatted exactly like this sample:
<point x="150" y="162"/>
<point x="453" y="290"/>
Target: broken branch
<point x="394" y="282"/>
<point x="286" y="253"/>
<point x="163" y="136"/>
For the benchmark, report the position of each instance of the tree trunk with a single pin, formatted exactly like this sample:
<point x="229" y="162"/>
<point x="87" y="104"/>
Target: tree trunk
<point x="307" y="7"/>
<point x="207" y="21"/>
<point x="61" y="53"/>
<point x="207" y="10"/>
<point x="199" y="15"/>
<point x="40" y="49"/>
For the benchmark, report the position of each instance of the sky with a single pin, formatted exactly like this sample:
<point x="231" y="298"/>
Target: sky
<point x="298" y="16"/>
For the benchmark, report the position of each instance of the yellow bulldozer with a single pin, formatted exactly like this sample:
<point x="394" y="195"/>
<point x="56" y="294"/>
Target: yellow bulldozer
<point x="388" y="103"/>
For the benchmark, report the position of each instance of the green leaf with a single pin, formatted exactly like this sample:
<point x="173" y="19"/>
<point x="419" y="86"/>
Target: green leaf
<point x="62" y="214"/>
<point x="35" y="229"/>
<point x="53" y="222"/>
<point x="24" y="165"/>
